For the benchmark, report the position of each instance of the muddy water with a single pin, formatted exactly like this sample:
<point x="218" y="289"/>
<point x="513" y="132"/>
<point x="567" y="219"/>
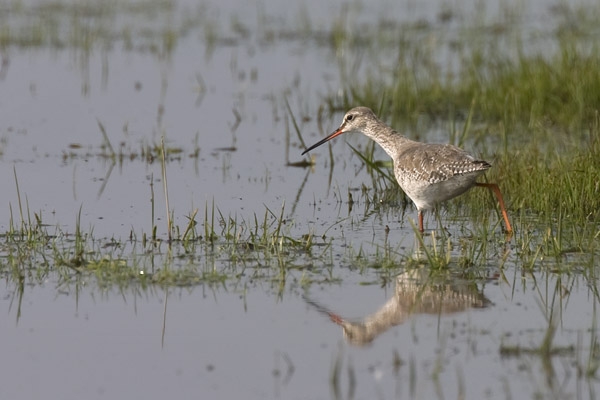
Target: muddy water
<point x="363" y="334"/>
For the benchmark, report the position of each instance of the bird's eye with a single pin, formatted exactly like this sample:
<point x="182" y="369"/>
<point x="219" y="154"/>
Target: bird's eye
<point x="349" y="117"/>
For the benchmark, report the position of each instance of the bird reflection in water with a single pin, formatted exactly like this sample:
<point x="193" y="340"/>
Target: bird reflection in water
<point x="419" y="291"/>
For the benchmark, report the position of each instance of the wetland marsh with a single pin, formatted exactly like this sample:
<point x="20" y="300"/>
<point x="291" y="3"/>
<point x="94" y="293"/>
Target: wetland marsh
<point x="163" y="236"/>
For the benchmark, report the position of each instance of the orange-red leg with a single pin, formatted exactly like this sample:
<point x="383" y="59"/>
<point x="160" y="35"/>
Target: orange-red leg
<point x="420" y="214"/>
<point x="494" y="188"/>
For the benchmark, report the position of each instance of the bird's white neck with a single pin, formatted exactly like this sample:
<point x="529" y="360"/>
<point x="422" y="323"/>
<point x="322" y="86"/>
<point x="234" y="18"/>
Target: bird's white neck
<point x="390" y="140"/>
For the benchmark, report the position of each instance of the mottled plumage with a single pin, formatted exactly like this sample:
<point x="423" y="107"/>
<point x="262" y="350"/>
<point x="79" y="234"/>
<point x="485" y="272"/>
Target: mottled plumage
<point x="428" y="173"/>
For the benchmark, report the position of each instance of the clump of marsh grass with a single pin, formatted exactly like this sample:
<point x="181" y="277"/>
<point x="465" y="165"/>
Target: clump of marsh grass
<point x="531" y="112"/>
<point x="559" y="176"/>
<point x="33" y="252"/>
<point x="513" y="81"/>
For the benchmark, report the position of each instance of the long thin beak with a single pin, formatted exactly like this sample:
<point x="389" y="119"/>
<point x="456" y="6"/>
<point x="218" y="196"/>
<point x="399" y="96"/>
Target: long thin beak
<point x="338" y="132"/>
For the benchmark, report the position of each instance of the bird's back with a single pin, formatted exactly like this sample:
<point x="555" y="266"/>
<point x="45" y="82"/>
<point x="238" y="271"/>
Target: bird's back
<point x="432" y="173"/>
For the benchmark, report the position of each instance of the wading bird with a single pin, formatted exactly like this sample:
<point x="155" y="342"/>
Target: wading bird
<point x="428" y="173"/>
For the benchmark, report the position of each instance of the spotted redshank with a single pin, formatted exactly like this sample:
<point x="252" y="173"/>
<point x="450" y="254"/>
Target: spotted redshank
<point x="428" y="173"/>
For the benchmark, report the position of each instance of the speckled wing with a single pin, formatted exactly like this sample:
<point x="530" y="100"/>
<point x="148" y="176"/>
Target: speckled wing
<point x="435" y="163"/>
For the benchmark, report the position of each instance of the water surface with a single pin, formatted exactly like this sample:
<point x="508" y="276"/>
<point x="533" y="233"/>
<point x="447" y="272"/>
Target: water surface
<point x="276" y="328"/>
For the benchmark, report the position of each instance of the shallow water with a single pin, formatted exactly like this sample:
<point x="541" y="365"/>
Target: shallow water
<point x="263" y="334"/>
<point x="254" y="344"/>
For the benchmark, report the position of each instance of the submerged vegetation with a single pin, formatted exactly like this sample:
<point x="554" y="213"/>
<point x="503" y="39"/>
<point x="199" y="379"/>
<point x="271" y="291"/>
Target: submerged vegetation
<point x="527" y="100"/>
